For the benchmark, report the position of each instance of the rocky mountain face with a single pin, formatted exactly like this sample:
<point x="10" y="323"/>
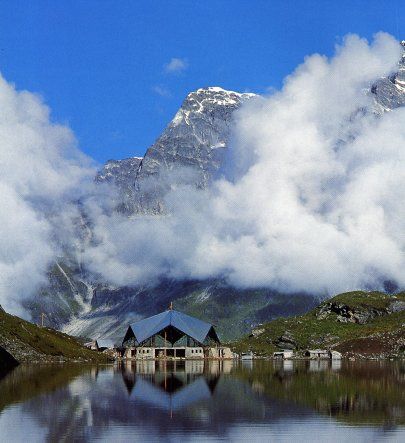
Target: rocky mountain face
<point x="189" y="151"/>
<point x="389" y="92"/>
<point x="68" y="294"/>
<point x="233" y="311"/>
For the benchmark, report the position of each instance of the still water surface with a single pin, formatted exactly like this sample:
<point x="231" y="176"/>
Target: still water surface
<point x="205" y="401"/>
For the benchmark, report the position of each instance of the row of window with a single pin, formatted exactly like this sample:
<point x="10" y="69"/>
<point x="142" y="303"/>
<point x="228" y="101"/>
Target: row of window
<point x="147" y="351"/>
<point x="143" y="351"/>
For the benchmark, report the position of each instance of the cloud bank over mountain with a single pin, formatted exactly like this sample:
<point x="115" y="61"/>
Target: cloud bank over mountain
<point x="311" y="197"/>
<point x="41" y="172"/>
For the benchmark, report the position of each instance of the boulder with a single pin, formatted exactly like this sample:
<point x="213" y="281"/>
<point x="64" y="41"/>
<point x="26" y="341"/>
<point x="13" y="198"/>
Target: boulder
<point x="286" y="341"/>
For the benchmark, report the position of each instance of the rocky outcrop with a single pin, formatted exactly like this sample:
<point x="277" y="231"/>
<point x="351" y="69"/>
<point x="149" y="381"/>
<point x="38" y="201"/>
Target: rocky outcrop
<point x="389" y="92"/>
<point x="286" y="341"/>
<point x="358" y="314"/>
<point x="257" y="331"/>
<point x="396" y="306"/>
<point x="347" y="314"/>
<point x="122" y="174"/>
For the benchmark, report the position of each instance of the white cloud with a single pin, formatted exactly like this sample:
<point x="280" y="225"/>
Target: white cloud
<point x="41" y="171"/>
<point x="313" y="198"/>
<point x="162" y="91"/>
<point x="176" y="66"/>
<point x="313" y="201"/>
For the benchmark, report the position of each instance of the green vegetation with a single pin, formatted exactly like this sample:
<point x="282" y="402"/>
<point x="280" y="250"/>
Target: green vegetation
<point x="27" y="342"/>
<point x="368" y="323"/>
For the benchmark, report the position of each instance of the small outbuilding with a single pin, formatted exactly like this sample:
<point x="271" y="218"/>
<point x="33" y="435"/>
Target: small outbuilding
<point x="100" y="345"/>
<point x="335" y="355"/>
<point x="283" y="355"/>
<point x="323" y="354"/>
<point x="93" y="345"/>
<point x="317" y="354"/>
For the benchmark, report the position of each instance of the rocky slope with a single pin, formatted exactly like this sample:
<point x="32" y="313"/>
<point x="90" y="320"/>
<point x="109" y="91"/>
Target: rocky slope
<point x="360" y="324"/>
<point x="189" y="151"/>
<point x="233" y="311"/>
<point x="389" y="92"/>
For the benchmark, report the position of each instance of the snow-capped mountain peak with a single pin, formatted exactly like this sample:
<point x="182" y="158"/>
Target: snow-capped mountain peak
<point x="195" y="139"/>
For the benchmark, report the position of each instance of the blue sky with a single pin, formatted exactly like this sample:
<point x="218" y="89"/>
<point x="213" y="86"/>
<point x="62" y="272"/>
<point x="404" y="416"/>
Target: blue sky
<point x="117" y="71"/>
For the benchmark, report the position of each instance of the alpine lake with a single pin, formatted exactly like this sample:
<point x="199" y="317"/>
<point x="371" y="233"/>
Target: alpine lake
<point x="196" y="400"/>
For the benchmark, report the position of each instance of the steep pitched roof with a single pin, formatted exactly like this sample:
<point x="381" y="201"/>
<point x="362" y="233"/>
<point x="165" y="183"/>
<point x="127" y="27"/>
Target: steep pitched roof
<point x="191" y="326"/>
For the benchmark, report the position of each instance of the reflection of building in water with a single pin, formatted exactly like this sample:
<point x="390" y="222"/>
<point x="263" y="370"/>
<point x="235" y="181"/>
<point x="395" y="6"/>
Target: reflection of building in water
<point x="144" y="366"/>
<point x="288" y="365"/>
<point x="175" y="396"/>
<point x="216" y="367"/>
<point x="318" y="365"/>
<point x="170" y="385"/>
<point x="173" y="335"/>
<point x="336" y="365"/>
<point x="247" y="364"/>
<point x="194" y="366"/>
<point x="94" y="372"/>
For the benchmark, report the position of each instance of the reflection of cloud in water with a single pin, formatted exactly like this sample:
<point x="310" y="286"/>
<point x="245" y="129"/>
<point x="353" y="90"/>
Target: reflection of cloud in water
<point x="155" y="401"/>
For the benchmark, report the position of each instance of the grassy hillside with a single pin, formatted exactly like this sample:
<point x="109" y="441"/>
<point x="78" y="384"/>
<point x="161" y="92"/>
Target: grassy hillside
<point x="27" y="342"/>
<point x="369" y="324"/>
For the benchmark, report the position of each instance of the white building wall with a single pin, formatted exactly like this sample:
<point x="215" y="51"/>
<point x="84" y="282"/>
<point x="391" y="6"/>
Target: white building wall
<point x="195" y="353"/>
<point x="145" y="353"/>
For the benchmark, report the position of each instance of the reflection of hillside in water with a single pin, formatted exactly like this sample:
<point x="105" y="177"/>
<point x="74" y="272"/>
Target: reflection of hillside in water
<point x="354" y="392"/>
<point x="158" y="400"/>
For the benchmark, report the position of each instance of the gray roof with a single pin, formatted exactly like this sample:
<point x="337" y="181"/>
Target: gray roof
<point x="191" y="326"/>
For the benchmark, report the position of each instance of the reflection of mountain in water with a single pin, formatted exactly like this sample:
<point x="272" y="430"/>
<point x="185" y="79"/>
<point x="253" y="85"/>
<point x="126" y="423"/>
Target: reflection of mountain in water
<point x="156" y="401"/>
